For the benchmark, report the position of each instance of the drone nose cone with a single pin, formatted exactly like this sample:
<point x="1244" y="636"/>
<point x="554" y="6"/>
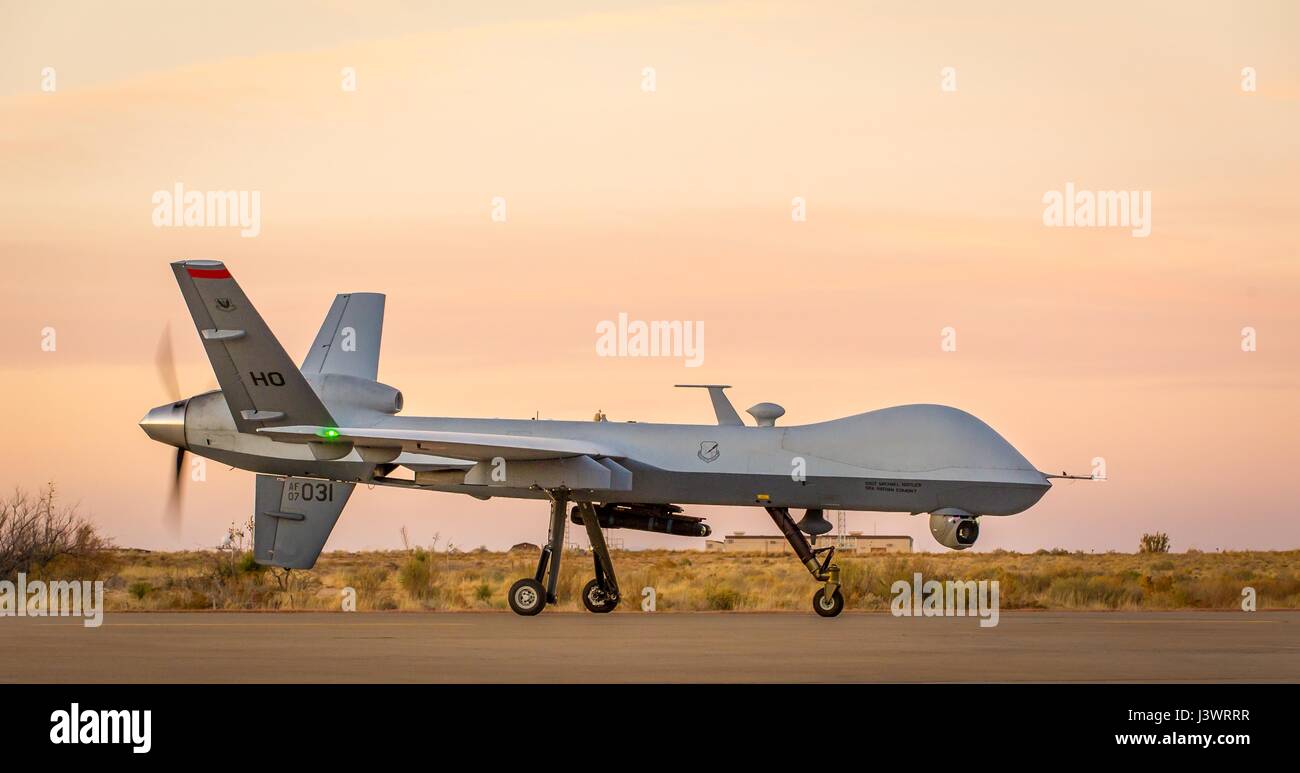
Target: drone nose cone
<point x="166" y="424"/>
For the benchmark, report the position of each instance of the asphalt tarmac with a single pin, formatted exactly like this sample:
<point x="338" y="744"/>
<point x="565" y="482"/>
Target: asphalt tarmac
<point x="652" y="647"/>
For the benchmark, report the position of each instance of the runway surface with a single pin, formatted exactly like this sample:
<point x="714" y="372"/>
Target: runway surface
<point x="659" y="647"/>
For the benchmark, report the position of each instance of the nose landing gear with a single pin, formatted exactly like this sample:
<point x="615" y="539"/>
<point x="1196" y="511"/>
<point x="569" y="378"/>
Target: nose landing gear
<point x="828" y="601"/>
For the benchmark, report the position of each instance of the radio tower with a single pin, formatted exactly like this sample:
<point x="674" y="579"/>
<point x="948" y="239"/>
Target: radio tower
<point x="842" y="531"/>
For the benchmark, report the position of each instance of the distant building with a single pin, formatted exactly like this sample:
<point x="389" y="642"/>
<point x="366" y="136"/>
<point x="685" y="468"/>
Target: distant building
<point x="854" y="543"/>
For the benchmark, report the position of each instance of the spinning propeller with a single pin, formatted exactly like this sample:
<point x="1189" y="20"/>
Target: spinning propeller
<point x="166" y="362"/>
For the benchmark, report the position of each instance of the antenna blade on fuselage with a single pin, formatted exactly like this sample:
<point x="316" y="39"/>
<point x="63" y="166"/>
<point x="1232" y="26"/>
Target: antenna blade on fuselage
<point x="722" y="407"/>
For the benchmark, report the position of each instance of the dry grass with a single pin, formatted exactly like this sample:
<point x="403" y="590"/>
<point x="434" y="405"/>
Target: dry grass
<point x="688" y="581"/>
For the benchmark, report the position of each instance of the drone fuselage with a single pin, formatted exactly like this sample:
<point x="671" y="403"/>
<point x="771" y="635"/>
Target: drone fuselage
<point x="915" y="459"/>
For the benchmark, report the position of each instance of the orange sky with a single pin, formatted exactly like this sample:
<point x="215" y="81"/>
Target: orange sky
<point x="924" y="211"/>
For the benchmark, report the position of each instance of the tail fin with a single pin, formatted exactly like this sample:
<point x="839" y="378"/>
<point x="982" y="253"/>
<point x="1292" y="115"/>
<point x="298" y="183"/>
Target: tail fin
<point x="348" y="341"/>
<point x="261" y="384"/>
<point x="293" y="517"/>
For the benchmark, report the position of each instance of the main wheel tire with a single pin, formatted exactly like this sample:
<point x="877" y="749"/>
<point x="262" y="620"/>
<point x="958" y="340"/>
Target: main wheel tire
<point x="527" y="597"/>
<point x="596" y="600"/>
<point x="828" y="607"/>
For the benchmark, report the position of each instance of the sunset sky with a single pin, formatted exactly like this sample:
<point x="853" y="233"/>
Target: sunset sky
<point x="924" y="211"/>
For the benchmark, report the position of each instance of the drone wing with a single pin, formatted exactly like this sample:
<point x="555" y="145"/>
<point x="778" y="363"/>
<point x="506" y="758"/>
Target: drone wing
<point x="458" y="445"/>
<point x="516" y="461"/>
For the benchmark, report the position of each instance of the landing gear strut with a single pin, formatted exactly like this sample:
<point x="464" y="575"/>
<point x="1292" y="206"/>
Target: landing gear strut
<point x="529" y="596"/>
<point x="828" y="601"/>
<point x="601" y="594"/>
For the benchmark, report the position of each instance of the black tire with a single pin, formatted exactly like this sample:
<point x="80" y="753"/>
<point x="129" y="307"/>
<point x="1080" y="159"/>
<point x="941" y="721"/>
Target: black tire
<point x="595" y="599"/>
<point x="827" y="608"/>
<point x="527" y="597"/>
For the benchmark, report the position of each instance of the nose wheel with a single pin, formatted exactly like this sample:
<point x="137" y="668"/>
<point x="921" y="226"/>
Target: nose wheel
<point x="828" y="601"/>
<point x="828" y="605"/>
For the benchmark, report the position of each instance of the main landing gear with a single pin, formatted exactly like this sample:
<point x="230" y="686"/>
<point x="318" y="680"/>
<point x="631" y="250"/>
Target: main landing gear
<point x="601" y="594"/>
<point x="529" y="596"/>
<point x="828" y="601"/>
